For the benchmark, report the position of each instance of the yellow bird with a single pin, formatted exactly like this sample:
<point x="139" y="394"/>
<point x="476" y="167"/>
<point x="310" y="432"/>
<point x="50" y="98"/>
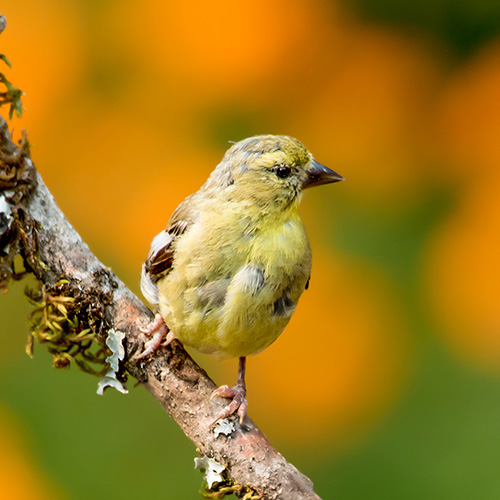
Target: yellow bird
<point x="228" y="271"/>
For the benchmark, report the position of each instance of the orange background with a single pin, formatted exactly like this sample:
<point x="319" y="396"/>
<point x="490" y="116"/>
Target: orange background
<point x="386" y="382"/>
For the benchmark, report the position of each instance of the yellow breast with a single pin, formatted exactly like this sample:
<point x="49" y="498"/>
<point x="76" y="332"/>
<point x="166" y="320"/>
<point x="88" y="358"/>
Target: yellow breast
<point x="235" y="282"/>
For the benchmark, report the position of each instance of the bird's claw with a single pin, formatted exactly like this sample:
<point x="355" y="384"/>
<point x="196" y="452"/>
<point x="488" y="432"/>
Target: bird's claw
<point x="224" y="391"/>
<point x="154" y="325"/>
<point x="159" y="330"/>
<point x="238" y="404"/>
<point x="151" y="345"/>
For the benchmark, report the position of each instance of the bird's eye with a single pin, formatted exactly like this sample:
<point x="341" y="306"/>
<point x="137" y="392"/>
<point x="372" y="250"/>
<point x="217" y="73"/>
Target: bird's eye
<point x="283" y="171"/>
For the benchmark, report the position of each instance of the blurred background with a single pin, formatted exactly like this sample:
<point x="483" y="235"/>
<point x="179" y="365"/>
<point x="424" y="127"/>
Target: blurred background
<point x="386" y="384"/>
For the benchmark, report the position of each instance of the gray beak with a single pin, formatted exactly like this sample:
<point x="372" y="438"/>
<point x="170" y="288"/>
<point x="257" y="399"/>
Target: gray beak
<point x="319" y="174"/>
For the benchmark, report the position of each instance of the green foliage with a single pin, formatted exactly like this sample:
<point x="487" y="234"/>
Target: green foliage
<point x="464" y="25"/>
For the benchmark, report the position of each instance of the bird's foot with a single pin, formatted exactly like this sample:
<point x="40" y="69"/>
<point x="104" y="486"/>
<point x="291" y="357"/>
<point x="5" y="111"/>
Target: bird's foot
<point x="238" y="404"/>
<point x="159" y="330"/>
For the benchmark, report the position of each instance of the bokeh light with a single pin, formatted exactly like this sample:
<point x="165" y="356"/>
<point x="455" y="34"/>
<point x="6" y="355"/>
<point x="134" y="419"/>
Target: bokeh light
<point x="386" y="381"/>
<point x="462" y="279"/>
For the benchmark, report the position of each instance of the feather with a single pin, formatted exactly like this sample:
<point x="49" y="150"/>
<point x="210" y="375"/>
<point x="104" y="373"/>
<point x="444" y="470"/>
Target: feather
<point x="148" y="288"/>
<point x="159" y="260"/>
<point x="284" y="306"/>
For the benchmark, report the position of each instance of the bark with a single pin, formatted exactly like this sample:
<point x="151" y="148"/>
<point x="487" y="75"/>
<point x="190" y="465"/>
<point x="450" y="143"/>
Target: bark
<point x="53" y="251"/>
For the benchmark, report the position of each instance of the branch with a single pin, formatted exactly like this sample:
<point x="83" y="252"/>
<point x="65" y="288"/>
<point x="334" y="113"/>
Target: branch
<point x="54" y="252"/>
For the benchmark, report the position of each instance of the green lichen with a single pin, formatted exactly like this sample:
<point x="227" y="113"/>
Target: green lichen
<point x="222" y="491"/>
<point x="217" y="484"/>
<point x="12" y="95"/>
<point x="228" y="488"/>
<point x="58" y="323"/>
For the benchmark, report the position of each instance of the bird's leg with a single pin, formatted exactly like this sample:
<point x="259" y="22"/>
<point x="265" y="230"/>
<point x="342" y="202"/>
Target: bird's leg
<point x="159" y="330"/>
<point x="237" y="394"/>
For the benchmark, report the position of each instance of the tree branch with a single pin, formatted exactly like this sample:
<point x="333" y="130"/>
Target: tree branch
<point x="54" y="252"/>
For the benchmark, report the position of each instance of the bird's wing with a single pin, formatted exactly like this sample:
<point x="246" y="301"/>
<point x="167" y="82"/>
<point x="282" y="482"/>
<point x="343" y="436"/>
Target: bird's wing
<point x="161" y="255"/>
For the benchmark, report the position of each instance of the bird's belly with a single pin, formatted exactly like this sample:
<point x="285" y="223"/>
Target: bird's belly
<point x="230" y="335"/>
<point x="239" y="306"/>
<point x="244" y="324"/>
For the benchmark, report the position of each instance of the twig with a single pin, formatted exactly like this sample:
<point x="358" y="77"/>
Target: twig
<point x="59" y="259"/>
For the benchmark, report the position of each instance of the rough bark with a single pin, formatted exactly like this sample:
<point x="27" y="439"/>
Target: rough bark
<point x="53" y="250"/>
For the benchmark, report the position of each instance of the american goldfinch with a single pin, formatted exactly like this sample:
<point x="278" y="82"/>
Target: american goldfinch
<point x="228" y="271"/>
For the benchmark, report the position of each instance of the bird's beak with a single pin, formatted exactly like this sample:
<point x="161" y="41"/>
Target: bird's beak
<point x="319" y="174"/>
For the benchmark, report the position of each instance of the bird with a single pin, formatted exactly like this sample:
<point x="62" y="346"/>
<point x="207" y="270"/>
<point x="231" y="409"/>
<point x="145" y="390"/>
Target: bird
<point x="226" y="274"/>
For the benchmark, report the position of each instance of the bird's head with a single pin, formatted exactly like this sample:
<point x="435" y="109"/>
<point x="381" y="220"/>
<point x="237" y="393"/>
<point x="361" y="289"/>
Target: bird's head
<point x="269" y="168"/>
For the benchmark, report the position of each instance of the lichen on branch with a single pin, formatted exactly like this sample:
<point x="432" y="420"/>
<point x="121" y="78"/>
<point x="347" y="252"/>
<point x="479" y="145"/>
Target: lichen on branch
<point x="11" y="95"/>
<point x="69" y="326"/>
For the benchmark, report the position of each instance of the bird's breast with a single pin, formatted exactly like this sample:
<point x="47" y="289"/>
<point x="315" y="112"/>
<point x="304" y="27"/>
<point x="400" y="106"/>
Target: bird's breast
<point x="233" y="288"/>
